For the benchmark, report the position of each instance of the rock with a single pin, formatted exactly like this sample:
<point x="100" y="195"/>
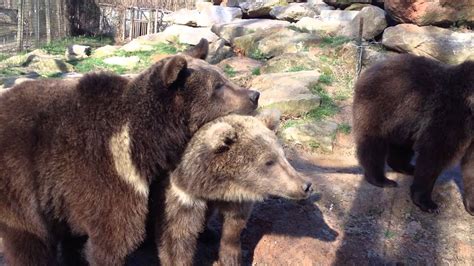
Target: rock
<point x="338" y="15"/>
<point x="105" y="51"/>
<point x="413" y="228"/>
<point x="22" y="59"/>
<point x="318" y="25"/>
<point x="128" y="62"/>
<point x="274" y="42"/>
<point x="242" y="66"/>
<point x="210" y="15"/>
<point x="49" y="65"/>
<point x="9" y="82"/>
<point x="183" y="17"/>
<point x="219" y="51"/>
<point x="431" y="12"/>
<point x="152" y="39"/>
<point x="260" y="8"/>
<point x="229" y="31"/>
<point x="190" y="35"/>
<point x="71" y="75"/>
<point x="136" y="46"/>
<point x="74" y="52"/>
<point x="438" y="43"/>
<point x="293" y="12"/>
<point x="374" y="23"/>
<point x="290" y="62"/>
<point x="345" y="3"/>
<point x="288" y="92"/>
<point x="313" y="134"/>
<point x="356" y="7"/>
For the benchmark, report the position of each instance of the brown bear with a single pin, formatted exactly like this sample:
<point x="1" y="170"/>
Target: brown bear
<point x="79" y="155"/>
<point x="230" y="163"/>
<point x="409" y="104"/>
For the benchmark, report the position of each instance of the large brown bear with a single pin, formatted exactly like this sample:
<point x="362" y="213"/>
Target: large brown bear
<point x="230" y="163"/>
<point x="80" y="156"/>
<point x="410" y="103"/>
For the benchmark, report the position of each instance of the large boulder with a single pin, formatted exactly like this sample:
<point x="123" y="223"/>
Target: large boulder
<point x="183" y="17"/>
<point x="274" y="42"/>
<point x="105" y="51"/>
<point x="136" y="45"/>
<point x="260" y="8"/>
<point x="210" y="14"/>
<point x="288" y="92"/>
<point x="345" y="3"/>
<point x="229" y="31"/>
<point x="241" y="66"/>
<point x="294" y="11"/>
<point x="438" y="43"/>
<point x="290" y="62"/>
<point x="374" y="23"/>
<point x="37" y="61"/>
<point x="318" y="25"/>
<point x="431" y="12"/>
<point x="219" y="51"/>
<point x="190" y="35"/>
<point x="313" y="134"/>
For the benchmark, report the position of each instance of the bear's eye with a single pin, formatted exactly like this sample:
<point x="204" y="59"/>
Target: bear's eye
<point x="270" y="163"/>
<point x="218" y="86"/>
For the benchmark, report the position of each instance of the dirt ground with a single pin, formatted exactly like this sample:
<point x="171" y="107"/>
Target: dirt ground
<point x="349" y="222"/>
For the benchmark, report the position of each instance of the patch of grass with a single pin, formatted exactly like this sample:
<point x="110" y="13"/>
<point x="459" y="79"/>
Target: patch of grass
<point x="332" y="41"/>
<point x="3" y="56"/>
<point x="297" y="69"/>
<point x="327" y="108"/>
<point x="256" y="71"/>
<point x="325" y="79"/>
<point x="96" y="64"/>
<point x="229" y="71"/>
<point x="257" y="54"/>
<point x="58" y="47"/>
<point x="344" y="128"/>
<point x="314" y="145"/>
<point x="302" y="30"/>
<point x="8" y="71"/>
<point x="291" y="123"/>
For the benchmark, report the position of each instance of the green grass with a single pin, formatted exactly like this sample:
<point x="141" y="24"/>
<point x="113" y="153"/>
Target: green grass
<point x="314" y="145"/>
<point x="389" y="234"/>
<point x="344" y="128"/>
<point x="3" y="56"/>
<point x="96" y="64"/>
<point x="256" y="71"/>
<point x="325" y="79"/>
<point x="297" y="69"/>
<point x="302" y="30"/>
<point x="332" y="41"/>
<point x="291" y="123"/>
<point x="58" y="47"/>
<point x="8" y="71"/>
<point x="229" y="71"/>
<point x="257" y="54"/>
<point x="327" y="108"/>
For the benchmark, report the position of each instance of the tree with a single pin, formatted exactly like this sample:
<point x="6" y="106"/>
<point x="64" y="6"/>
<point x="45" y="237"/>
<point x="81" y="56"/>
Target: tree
<point x="19" y="35"/>
<point x="47" y="6"/>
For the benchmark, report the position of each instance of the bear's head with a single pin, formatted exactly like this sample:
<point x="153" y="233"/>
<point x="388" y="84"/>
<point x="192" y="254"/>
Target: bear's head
<point x="200" y="92"/>
<point x="238" y="158"/>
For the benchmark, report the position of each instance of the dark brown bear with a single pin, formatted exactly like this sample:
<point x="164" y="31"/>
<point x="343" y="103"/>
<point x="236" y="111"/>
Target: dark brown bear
<point x="81" y="155"/>
<point x="410" y="104"/>
<point x="230" y="163"/>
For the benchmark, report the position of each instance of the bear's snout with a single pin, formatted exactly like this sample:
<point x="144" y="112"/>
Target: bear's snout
<point x="254" y="96"/>
<point x="307" y="188"/>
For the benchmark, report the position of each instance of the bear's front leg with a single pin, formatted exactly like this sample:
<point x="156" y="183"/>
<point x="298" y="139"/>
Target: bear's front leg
<point x="467" y="165"/>
<point x="235" y="217"/>
<point x="184" y="219"/>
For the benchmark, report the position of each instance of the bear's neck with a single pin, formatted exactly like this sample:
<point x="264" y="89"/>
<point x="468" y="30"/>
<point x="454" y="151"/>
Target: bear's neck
<point x="159" y="131"/>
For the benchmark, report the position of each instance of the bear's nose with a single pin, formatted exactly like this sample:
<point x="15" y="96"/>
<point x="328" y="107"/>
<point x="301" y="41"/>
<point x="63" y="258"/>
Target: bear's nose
<point x="307" y="187"/>
<point x="254" y="95"/>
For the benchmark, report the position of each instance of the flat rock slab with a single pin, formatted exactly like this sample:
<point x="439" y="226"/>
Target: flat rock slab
<point x="128" y="62"/>
<point x="190" y="35"/>
<point x="438" y="43"/>
<point x="314" y="134"/>
<point x="241" y="65"/>
<point x="288" y="92"/>
<point x="294" y="12"/>
<point x="239" y="27"/>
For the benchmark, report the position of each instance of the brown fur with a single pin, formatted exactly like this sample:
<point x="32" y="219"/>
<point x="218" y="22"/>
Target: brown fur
<point x="80" y="156"/>
<point x="230" y="163"/>
<point x="409" y="103"/>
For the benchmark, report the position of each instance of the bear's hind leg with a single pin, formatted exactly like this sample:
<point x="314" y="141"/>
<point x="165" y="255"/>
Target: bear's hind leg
<point x="372" y="153"/>
<point x="25" y="249"/>
<point x="428" y="168"/>
<point x="467" y="165"/>
<point x="399" y="159"/>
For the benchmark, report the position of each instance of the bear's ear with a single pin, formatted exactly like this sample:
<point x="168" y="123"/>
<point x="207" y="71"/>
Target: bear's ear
<point x="271" y="118"/>
<point x="172" y="67"/>
<point x="221" y="136"/>
<point x="200" y="50"/>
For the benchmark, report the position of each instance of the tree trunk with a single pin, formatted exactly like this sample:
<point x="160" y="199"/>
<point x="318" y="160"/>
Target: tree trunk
<point x="19" y="34"/>
<point x="59" y="16"/>
<point x="36" y="22"/>
<point x="48" y="20"/>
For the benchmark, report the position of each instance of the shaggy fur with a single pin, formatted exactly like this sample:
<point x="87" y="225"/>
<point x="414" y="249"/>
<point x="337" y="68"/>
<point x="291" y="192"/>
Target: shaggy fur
<point x="410" y="104"/>
<point x="230" y="163"/>
<point x="80" y="156"/>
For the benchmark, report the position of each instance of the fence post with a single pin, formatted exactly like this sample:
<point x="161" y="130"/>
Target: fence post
<point x="48" y="20"/>
<point x="132" y="22"/>
<point x="19" y="34"/>
<point x="360" y="48"/>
